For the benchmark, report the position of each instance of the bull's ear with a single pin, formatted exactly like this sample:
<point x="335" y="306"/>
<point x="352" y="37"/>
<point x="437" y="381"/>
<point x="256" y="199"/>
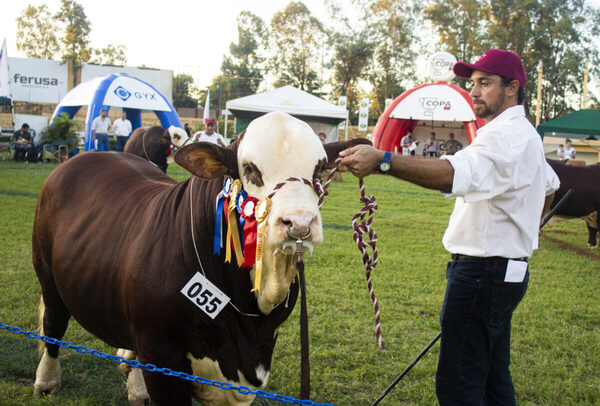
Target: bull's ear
<point x="165" y="138"/>
<point x="333" y="149"/>
<point x="207" y="161"/>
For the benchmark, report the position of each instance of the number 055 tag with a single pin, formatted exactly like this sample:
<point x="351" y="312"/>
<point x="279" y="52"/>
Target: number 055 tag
<point x="205" y="295"/>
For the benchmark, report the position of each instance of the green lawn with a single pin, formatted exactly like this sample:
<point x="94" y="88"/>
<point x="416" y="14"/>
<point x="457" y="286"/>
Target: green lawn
<point x="556" y="329"/>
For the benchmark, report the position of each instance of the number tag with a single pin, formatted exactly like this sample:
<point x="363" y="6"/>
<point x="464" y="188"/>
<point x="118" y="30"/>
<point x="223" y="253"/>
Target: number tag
<point x="205" y="295"/>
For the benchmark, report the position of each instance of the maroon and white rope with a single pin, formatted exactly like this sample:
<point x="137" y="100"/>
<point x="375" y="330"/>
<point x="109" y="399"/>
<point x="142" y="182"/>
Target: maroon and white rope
<point x="361" y="223"/>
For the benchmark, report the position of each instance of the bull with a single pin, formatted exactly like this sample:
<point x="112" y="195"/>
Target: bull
<point x="115" y="241"/>
<point x="156" y="144"/>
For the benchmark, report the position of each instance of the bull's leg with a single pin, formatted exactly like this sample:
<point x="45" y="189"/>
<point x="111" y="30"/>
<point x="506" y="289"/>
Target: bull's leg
<point x="165" y="390"/>
<point x="137" y="393"/>
<point x="54" y="318"/>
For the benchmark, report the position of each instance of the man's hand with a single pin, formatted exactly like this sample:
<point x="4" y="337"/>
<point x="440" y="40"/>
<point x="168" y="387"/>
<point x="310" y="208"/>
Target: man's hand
<point x="361" y="160"/>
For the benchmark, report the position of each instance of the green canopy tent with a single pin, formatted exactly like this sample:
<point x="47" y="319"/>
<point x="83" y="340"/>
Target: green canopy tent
<point x="582" y="124"/>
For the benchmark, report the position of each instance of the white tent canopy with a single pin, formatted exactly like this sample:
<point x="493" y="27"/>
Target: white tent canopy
<point x="318" y="113"/>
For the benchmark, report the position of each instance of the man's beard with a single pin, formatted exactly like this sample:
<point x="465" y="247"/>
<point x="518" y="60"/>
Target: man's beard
<point x="487" y="109"/>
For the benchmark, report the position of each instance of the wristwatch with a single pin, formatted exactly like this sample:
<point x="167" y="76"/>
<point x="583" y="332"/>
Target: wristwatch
<point x="386" y="163"/>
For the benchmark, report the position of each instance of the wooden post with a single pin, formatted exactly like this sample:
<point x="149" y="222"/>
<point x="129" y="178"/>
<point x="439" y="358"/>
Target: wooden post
<point x="585" y="82"/>
<point x="538" y="110"/>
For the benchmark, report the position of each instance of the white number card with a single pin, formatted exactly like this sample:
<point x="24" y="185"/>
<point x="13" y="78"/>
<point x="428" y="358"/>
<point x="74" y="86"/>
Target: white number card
<point x="205" y="295"/>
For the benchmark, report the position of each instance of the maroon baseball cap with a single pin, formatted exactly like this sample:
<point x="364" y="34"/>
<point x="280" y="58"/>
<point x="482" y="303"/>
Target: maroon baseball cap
<point x="209" y="121"/>
<point x="498" y="62"/>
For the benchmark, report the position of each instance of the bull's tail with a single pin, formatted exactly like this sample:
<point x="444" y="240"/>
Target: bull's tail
<point x="41" y="311"/>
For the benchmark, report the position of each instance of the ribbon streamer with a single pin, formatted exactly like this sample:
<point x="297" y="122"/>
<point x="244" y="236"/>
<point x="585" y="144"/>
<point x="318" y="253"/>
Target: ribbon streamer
<point x="250" y="231"/>
<point x="233" y="234"/>
<point x="263" y="207"/>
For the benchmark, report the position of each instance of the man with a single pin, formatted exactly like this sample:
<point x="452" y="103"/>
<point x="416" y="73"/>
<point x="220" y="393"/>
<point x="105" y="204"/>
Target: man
<point x="432" y="146"/>
<point x="406" y="143"/>
<point x="122" y="129"/>
<point x="322" y="137"/>
<point x="452" y="146"/>
<point x="100" y="127"/>
<point x="22" y="141"/>
<point x="500" y="182"/>
<point x="209" y="134"/>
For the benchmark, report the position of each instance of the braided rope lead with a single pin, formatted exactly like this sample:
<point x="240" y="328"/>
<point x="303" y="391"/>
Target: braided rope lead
<point x="361" y="223"/>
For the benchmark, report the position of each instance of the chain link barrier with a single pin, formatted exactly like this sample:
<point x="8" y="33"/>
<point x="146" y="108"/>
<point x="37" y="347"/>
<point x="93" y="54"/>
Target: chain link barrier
<point x="244" y="390"/>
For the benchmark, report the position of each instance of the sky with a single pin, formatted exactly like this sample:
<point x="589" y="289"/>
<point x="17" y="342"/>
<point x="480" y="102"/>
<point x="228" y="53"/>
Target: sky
<point x="185" y="36"/>
<point x="181" y="35"/>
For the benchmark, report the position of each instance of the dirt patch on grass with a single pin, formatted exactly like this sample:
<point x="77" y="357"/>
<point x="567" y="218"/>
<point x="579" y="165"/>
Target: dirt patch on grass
<point x="586" y="252"/>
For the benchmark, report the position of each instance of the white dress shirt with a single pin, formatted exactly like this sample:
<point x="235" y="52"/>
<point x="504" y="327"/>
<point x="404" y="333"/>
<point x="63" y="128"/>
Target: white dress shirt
<point x="122" y="128"/>
<point x="500" y="184"/>
<point x="100" y="125"/>
<point x="209" y="138"/>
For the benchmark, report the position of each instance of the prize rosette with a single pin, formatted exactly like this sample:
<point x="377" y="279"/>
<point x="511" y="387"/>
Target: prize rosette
<point x="261" y="212"/>
<point x="220" y="204"/>
<point x="233" y="234"/>
<point x="247" y="214"/>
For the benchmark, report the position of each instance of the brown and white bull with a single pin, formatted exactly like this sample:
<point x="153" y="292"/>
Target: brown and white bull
<point x="114" y="243"/>
<point x="155" y="144"/>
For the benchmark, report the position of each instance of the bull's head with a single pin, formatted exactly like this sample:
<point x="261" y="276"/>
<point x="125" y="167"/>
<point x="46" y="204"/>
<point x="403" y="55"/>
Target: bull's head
<point x="178" y="137"/>
<point x="274" y="147"/>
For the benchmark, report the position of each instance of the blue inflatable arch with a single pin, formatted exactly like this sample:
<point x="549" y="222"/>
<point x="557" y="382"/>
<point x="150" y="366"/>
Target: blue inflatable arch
<point x="131" y="94"/>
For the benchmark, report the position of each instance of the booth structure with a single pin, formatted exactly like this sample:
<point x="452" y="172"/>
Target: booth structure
<point x="438" y="107"/>
<point x="321" y="115"/>
<point x="131" y="94"/>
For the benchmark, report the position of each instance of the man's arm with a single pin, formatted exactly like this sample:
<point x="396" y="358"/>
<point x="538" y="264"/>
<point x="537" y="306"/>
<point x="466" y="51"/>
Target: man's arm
<point x="362" y="160"/>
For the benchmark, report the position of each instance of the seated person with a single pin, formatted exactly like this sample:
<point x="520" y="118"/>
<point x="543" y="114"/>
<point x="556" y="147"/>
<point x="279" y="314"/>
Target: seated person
<point x="22" y="142"/>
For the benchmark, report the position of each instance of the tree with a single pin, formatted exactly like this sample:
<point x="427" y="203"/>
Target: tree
<point x="76" y="33"/>
<point x="37" y="33"/>
<point x="243" y="70"/>
<point x="110" y="55"/>
<point x="298" y="39"/>
<point x="184" y="91"/>
<point x="352" y="53"/>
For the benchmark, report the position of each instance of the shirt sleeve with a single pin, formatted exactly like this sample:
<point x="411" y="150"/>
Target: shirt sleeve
<point x="482" y="170"/>
<point x="552" y="181"/>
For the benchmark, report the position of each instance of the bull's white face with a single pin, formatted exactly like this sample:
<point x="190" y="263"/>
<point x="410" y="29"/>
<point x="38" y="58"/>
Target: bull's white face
<point x="178" y="136"/>
<point x="275" y="147"/>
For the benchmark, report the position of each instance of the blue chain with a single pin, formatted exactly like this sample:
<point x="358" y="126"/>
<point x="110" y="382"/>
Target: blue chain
<point x="165" y="371"/>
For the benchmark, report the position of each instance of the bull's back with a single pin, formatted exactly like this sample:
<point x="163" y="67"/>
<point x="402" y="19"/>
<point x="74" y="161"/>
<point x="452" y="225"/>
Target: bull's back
<point x="583" y="180"/>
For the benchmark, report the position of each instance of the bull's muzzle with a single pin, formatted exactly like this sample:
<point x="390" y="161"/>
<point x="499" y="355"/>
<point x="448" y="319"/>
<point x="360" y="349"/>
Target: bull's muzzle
<point x="298" y="226"/>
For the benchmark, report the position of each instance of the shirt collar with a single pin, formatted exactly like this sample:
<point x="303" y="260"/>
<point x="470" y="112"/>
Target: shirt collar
<point x="507" y="115"/>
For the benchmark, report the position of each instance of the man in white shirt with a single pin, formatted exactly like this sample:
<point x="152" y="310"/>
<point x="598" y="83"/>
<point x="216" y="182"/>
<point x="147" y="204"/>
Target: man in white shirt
<point x="100" y="127"/>
<point x="209" y="134"/>
<point x="121" y="128"/>
<point x="406" y="142"/>
<point x="500" y="182"/>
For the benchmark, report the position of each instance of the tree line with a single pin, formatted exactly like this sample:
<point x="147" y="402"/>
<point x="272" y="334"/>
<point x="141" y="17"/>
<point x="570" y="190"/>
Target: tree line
<point x="370" y="53"/>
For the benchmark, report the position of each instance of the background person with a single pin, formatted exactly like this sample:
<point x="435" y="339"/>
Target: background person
<point x="100" y="127"/>
<point x="323" y="137"/>
<point x="560" y="152"/>
<point x="453" y="146"/>
<point x="406" y="142"/>
<point x="122" y="129"/>
<point x="22" y="142"/>
<point x="569" y="152"/>
<point x="500" y="183"/>
<point x="209" y="134"/>
<point x="432" y="146"/>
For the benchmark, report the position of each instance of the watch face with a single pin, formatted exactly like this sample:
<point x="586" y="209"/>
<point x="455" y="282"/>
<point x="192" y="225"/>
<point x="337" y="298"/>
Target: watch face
<point x="384" y="166"/>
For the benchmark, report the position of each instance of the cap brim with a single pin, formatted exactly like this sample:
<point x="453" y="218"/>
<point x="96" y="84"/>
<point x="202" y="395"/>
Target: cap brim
<point x="465" y="70"/>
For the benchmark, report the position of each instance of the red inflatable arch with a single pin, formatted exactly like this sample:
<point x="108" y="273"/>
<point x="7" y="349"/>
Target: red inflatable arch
<point x="438" y="107"/>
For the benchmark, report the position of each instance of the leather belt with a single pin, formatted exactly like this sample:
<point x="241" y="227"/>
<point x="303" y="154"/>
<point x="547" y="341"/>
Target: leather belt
<point x="461" y="256"/>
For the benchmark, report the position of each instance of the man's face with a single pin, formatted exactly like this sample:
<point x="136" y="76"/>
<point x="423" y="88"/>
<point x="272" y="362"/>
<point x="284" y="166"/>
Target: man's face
<point x="489" y="95"/>
<point x="210" y="129"/>
<point x="123" y="116"/>
<point x="431" y="136"/>
<point x="451" y="137"/>
<point x="102" y="113"/>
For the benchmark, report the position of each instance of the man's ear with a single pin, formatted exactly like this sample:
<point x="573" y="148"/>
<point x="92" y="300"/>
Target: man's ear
<point x="207" y="161"/>
<point x="333" y="149"/>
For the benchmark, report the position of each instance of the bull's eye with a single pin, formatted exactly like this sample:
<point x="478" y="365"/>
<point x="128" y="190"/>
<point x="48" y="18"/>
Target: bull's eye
<point x="252" y="174"/>
<point x="321" y="170"/>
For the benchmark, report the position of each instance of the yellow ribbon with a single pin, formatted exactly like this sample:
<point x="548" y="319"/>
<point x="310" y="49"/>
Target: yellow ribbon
<point x="263" y="207"/>
<point x="232" y="226"/>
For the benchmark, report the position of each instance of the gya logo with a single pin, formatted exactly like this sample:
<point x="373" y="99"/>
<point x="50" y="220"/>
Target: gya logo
<point x="431" y="103"/>
<point x="122" y="93"/>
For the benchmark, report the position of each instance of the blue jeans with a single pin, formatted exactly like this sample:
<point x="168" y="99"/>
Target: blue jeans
<point x="121" y="141"/>
<point x="473" y="367"/>
<point x="103" y="144"/>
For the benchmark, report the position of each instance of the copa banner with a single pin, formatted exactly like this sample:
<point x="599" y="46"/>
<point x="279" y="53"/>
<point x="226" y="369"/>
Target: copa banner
<point x="342" y="103"/>
<point x="363" y="114"/>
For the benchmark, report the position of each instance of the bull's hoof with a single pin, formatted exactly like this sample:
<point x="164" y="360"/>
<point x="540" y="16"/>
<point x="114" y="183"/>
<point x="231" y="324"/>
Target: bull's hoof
<point x="593" y="247"/>
<point x="137" y="402"/>
<point x="46" y="388"/>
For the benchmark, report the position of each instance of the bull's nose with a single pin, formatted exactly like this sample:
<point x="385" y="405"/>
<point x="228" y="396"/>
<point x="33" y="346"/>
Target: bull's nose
<point x="298" y="225"/>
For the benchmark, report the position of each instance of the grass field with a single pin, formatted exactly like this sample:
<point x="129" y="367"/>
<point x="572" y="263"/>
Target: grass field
<point x="556" y="329"/>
